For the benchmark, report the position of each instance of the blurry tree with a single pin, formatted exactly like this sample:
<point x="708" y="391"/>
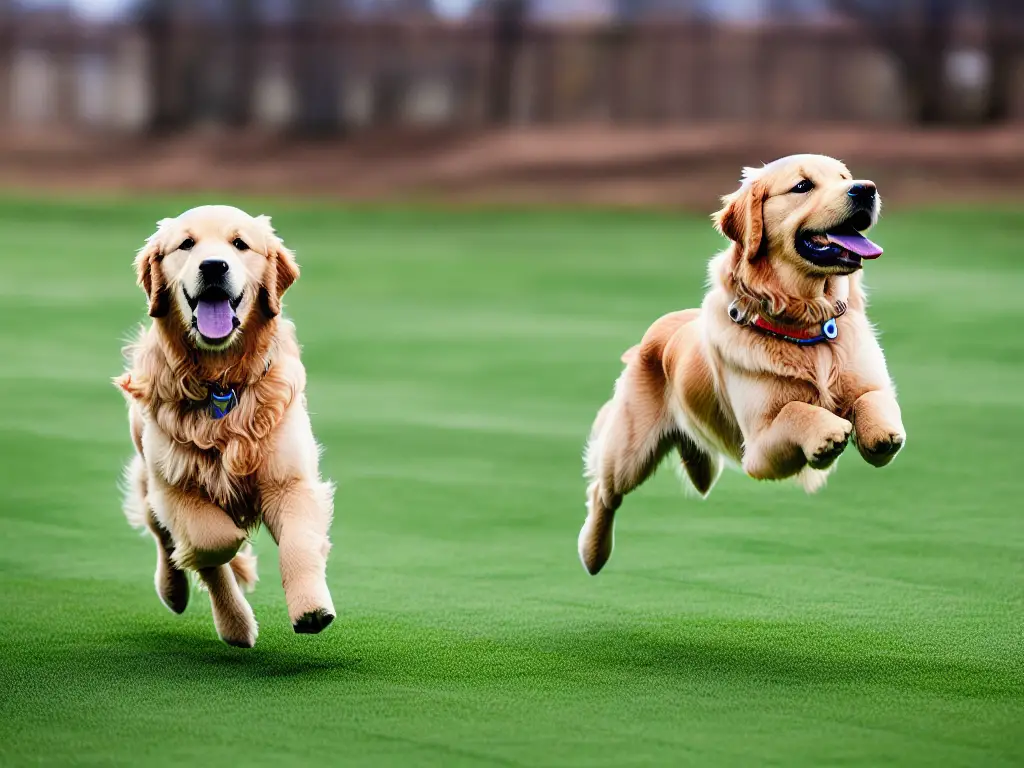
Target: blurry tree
<point x="509" y="20"/>
<point x="244" y="51"/>
<point x="167" y="112"/>
<point x="316" y="68"/>
<point x="1003" y="23"/>
<point x="392" y="78"/>
<point x="403" y="8"/>
<point x="920" y="42"/>
<point x="632" y="10"/>
<point x="6" y="44"/>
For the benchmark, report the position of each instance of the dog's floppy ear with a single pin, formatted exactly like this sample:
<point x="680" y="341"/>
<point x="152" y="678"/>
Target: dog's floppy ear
<point x="151" y="275"/>
<point x="281" y="272"/>
<point x="742" y="217"/>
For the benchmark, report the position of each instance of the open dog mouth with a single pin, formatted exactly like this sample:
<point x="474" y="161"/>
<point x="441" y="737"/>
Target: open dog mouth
<point x="842" y="246"/>
<point x="213" y="313"/>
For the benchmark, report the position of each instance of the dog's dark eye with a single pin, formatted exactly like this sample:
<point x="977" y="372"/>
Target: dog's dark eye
<point x="186" y="244"/>
<point x="239" y="243"/>
<point x="806" y="185"/>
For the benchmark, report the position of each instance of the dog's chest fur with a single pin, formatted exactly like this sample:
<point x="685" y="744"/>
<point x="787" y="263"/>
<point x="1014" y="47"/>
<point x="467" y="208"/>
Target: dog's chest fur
<point x="206" y="473"/>
<point x="216" y="460"/>
<point x="820" y="375"/>
<point x="821" y="378"/>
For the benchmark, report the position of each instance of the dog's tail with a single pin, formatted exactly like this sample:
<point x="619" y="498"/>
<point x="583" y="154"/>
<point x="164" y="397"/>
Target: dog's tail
<point x="243" y="564"/>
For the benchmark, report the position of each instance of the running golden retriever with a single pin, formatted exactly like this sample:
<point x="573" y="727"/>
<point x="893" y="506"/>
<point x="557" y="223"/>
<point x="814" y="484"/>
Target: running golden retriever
<point x="217" y="412"/>
<point x="778" y="367"/>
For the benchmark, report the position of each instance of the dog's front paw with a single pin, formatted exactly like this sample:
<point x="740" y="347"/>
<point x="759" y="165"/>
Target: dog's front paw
<point x="829" y="445"/>
<point x="310" y="607"/>
<point x="881" y="448"/>
<point x="313" y="622"/>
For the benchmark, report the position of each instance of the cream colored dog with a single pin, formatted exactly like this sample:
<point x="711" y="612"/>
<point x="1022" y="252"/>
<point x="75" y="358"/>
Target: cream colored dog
<point x="217" y="412"/>
<point x="775" y="371"/>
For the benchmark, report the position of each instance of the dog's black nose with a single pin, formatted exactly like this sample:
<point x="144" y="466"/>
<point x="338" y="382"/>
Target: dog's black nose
<point x="213" y="269"/>
<point x="863" y="194"/>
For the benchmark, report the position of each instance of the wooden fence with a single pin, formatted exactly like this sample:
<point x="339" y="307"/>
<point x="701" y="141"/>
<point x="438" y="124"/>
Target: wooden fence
<point x="332" y="78"/>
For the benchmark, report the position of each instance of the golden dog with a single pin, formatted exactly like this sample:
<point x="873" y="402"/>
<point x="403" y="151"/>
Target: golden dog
<point x="217" y="412"/>
<point x="775" y="371"/>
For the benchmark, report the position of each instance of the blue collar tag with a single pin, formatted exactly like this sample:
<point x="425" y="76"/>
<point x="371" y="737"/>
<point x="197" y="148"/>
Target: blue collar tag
<point x="222" y="402"/>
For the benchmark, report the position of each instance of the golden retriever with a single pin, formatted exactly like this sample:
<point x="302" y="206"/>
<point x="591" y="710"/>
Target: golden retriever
<point x="778" y="367"/>
<point x="217" y="412"/>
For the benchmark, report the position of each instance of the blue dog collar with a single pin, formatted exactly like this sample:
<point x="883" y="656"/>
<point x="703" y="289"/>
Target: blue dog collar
<point x="222" y="401"/>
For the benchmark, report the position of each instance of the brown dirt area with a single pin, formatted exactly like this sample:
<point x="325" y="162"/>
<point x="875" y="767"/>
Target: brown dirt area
<point x="588" y="166"/>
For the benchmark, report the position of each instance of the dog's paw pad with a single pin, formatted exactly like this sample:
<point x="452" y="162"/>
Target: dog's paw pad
<point x="829" y="450"/>
<point x="890" y="444"/>
<point x="312" y="622"/>
<point x="881" y="451"/>
<point x="239" y="642"/>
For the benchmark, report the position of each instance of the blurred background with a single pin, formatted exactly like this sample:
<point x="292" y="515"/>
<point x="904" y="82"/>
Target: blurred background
<point x="644" y="102"/>
<point x="490" y="201"/>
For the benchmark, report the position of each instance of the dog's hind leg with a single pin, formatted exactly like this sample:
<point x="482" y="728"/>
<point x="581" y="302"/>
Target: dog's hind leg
<point x="232" y="615"/>
<point x="703" y="468"/>
<point x="206" y="540"/>
<point x="631" y="435"/>
<point x="171" y="582"/>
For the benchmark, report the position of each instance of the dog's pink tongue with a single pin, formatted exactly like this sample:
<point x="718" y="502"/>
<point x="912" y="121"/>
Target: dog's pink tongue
<point x="214" y="318"/>
<point x="858" y="244"/>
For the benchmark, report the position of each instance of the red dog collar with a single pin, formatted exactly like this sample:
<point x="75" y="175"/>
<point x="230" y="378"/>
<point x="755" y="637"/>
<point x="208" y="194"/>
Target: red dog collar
<point x="828" y="331"/>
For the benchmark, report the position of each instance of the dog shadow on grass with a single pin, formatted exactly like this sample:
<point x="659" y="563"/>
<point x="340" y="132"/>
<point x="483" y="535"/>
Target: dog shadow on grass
<point x="741" y="652"/>
<point x="184" y="651"/>
<point x="689" y="651"/>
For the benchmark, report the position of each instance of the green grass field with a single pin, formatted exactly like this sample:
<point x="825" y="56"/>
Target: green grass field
<point x="455" y="363"/>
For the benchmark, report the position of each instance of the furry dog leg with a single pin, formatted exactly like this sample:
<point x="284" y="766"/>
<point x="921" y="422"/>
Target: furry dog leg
<point x="207" y="540"/>
<point x="878" y="427"/>
<point x="171" y="582"/>
<point x="232" y="615"/>
<point x="298" y="516"/>
<point x="701" y="467"/>
<point x="800" y="435"/>
<point x="631" y="435"/>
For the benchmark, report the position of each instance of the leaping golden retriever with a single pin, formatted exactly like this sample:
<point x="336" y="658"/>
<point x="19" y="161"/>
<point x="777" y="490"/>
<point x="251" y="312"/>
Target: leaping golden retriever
<point x="778" y="367"/>
<point x="217" y="412"/>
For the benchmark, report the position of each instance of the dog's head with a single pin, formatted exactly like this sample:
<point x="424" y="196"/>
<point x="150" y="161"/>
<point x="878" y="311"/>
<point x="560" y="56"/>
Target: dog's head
<point x="216" y="271"/>
<point x="804" y="211"/>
